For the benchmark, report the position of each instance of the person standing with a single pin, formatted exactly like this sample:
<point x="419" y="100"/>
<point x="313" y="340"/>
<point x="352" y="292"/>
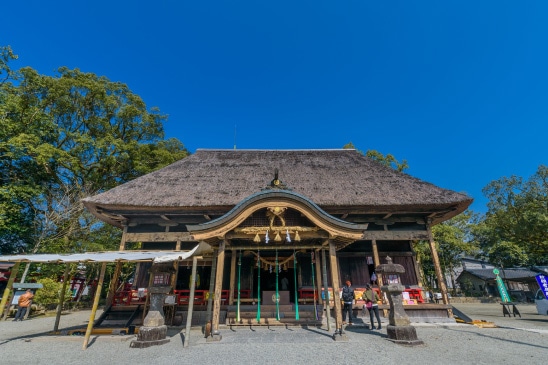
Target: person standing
<point x="24" y="303"/>
<point x="371" y="303"/>
<point x="347" y="297"/>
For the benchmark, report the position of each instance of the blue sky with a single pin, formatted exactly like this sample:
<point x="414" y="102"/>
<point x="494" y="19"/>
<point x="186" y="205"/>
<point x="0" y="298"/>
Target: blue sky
<point x="457" y="88"/>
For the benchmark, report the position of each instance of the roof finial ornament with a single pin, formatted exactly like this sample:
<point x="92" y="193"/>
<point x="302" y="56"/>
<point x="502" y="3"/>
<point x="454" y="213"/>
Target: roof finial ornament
<point x="276" y="183"/>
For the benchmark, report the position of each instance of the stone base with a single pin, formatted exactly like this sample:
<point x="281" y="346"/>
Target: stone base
<point x="403" y="335"/>
<point x="150" y="336"/>
<point x="215" y="337"/>
<point x="340" y="336"/>
<point x="136" y="344"/>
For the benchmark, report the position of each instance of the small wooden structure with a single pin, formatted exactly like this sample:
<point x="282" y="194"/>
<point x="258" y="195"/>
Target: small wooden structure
<point x="270" y="214"/>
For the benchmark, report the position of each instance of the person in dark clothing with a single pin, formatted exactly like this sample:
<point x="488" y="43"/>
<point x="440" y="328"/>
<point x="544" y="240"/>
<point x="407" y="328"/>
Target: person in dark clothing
<point x="347" y="297"/>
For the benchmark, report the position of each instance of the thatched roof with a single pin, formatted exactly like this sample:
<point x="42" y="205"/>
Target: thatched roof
<point x="330" y="178"/>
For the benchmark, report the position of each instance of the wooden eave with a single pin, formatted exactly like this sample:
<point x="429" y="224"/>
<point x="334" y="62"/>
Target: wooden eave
<point x="219" y="228"/>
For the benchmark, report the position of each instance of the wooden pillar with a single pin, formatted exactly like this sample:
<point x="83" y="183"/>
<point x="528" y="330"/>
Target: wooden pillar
<point x="215" y="334"/>
<point x="437" y="267"/>
<point x="175" y="274"/>
<point x="95" y="305"/>
<point x="326" y="292"/>
<point x="176" y="267"/>
<point x="147" y="299"/>
<point x="416" y="264"/>
<point x="124" y="237"/>
<point x="335" y="279"/>
<point x="61" y="298"/>
<point x="209" y="308"/>
<point x="113" y="285"/>
<point x="6" y="297"/>
<point x="319" y="277"/>
<point x="376" y="260"/>
<point x="190" y="302"/>
<point x="232" y="277"/>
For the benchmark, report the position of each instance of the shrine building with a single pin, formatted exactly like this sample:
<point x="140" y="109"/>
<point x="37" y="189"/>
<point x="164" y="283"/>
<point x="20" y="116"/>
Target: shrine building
<point x="282" y="226"/>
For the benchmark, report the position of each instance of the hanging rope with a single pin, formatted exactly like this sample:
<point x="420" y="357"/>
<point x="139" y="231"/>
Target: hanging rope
<point x="314" y="284"/>
<point x="272" y="263"/>
<point x="258" y="287"/>
<point x="239" y="276"/>
<point x="277" y="293"/>
<point x="295" y="282"/>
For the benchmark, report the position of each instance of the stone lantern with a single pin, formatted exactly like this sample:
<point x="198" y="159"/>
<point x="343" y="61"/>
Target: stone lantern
<point x="399" y="329"/>
<point x="154" y="331"/>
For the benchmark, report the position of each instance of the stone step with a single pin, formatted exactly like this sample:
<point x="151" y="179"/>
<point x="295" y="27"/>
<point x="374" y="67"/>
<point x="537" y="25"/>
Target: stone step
<point x="271" y="314"/>
<point x="272" y="322"/>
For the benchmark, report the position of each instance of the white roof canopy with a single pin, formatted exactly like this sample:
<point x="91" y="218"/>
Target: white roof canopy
<point x="112" y="256"/>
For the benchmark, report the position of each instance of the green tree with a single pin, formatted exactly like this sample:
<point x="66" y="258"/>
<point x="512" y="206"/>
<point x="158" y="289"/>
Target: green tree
<point x="454" y="240"/>
<point x="50" y="293"/>
<point x="513" y="231"/>
<point x="16" y="219"/>
<point x="387" y="160"/>
<point x="65" y="137"/>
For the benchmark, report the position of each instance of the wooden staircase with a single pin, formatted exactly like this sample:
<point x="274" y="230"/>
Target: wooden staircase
<point x="287" y="313"/>
<point x="121" y="316"/>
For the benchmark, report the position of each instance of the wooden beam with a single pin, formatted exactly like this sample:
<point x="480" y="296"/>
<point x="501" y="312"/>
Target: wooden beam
<point x="232" y="278"/>
<point x="7" y="292"/>
<point x="61" y="298"/>
<point x="113" y="284"/>
<point x="318" y="279"/>
<point x="95" y="305"/>
<point x="335" y="284"/>
<point x="218" y="290"/>
<point x="159" y="237"/>
<point x="395" y="235"/>
<point x="304" y="235"/>
<point x="326" y="292"/>
<point x="377" y="261"/>
<point x="190" y="302"/>
<point x="272" y="247"/>
<point x="437" y="268"/>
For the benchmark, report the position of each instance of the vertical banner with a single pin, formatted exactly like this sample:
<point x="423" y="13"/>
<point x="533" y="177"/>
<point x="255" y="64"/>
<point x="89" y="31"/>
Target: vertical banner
<point x="542" y="281"/>
<point x="502" y="288"/>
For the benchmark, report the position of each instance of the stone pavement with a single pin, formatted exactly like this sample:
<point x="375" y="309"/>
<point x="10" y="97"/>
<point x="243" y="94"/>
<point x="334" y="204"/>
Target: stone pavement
<point x="516" y="340"/>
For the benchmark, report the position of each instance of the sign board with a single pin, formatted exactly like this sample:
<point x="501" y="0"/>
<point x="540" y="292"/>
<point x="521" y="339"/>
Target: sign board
<point x="542" y="281"/>
<point x="27" y="286"/>
<point x="502" y="288"/>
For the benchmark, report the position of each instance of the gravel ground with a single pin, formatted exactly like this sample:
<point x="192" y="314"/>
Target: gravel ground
<point x="514" y="341"/>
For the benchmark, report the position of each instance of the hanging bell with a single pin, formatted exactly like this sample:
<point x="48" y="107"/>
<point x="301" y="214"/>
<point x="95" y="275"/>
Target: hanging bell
<point x="297" y="237"/>
<point x="257" y="238"/>
<point x="277" y="238"/>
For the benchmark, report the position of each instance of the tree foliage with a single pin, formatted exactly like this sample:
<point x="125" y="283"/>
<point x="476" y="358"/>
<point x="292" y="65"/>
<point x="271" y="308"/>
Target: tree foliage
<point x="50" y="292"/>
<point x="454" y="240"/>
<point x="514" y="229"/>
<point x="65" y="137"/>
<point x="387" y="160"/>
